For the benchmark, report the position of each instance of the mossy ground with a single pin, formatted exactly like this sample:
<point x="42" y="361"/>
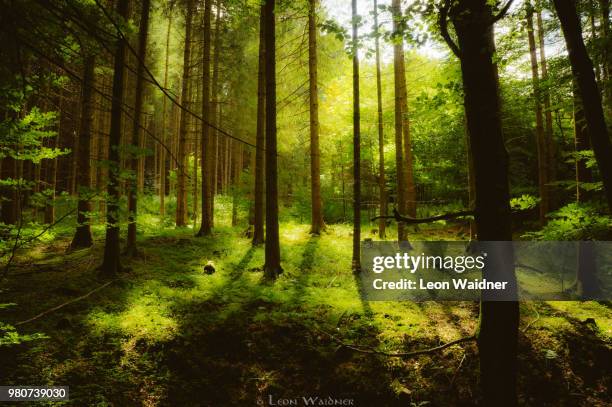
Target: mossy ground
<point x="168" y="334"/>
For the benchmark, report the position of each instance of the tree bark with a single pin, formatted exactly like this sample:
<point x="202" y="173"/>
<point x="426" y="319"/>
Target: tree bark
<point x="111" y="264"/>
<point x="82" y="237"/>
<point x="551" y="145"/>
<point x="236" y="170"/>
<point x="498" y="330"/>
<point x="143" y="33"/>
<point x="381" y="133"/>
<point x="582" y="69"/>
<point x="258" y="226"/>
<point x="164" y="134"/>
<point x="215" y="116"/>
<point x="399" y="78"/>
<point x="10" y="201"/>
<point x="315" y="155"/>
<point x="181" y="190"/>
<point x="206" y="225"/>
<point x="51" y="171"/>
<point x="272" y="267"/>
<point x="606" y="52"/>
<point x="540" y="140"/>
<point x="356" y="149"/>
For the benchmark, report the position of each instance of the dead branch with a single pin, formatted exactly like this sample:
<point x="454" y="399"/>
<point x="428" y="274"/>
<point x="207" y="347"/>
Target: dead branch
<point x="409" y="220"/>
<point x="371" y="351"/>
<point x="82" y="297"/>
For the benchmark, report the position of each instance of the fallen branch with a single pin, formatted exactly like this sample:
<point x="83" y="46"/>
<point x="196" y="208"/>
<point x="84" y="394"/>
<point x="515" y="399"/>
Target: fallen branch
<point x="533" y="321"/>
<point x="372" y="351"/>
<point x="409" y="220"/>
<point x="82" y="297"/>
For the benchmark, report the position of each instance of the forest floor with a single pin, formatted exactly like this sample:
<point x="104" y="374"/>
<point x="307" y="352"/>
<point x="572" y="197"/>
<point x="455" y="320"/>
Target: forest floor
<point x="165" y="333"/>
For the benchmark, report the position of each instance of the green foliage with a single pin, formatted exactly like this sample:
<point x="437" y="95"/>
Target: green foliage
<point x="23" y="138"/>
<point x="524" y="202"/>
<point x="575" y="221"/>
<point x="9" y="336"/>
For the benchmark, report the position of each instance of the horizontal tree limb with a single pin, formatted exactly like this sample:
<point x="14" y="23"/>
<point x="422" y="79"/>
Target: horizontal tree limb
<point x="372" y="351"/>
<point x="82" y="297"/>
<point x="409" y="220"/>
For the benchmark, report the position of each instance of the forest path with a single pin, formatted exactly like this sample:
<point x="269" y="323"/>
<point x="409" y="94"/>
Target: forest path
<point x="168" y="334"/>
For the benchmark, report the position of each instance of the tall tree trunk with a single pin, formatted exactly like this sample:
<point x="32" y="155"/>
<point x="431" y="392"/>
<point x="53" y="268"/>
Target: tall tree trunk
<point x="606" y="52"/>
<point x="83" y="237"/>
<point x="194" y="176"/>
<point x="381" y="135"/>
<point x="207" y="165"/>
<point x="236" y="170"/>
<point x="272" y="267"/>
<point x="111" y="263"/>
<point x="581" y="142"/>
<point x="181" y="192"/>
<point x="215" y="116"/>
<point x="10" y="199"/>
<point x="498" y="331"/>
<point x="136" y="131"/>
<point x="582" y="69"/>
<point x="587" y="285"/>
<point x="51" y="175"/>
<point x="540" y="141"/>
<point x="315" y="154"/>
<point x="409" y="191"/>
<point x="399" y="78"/>
<point x="356" y="149"/>
<point x="258" y="226"/>
<point x="471" y="182"/>
<point x="549" y="140"/>
<point x="164" y="134"/>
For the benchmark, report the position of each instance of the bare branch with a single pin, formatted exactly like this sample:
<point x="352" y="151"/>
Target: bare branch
<point x="502" y="12"/>
<point x="443" y="23"/>
<point x="372" y="351"/>
<point x="408" y="220"/>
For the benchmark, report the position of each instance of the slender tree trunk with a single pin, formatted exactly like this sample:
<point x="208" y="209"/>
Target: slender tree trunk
<point x="399" y="78"/>
<point x="606" y="52"/>
<point x="356" y="149"/>
<point x="181" y="193"/>
<point x="272" y="267"/>
<point x="551" y="146"/>
<point x="215" y="115"/>
<point x="381" y="134"/>
<point x="586" y="282"/>
<point x="315" y="154"/>
<point x="10" y="201"/>
<point x="410" y="189"/>
<point x="195" y="190"/>
<point x="258" y="227"/>
<point x="111" y="263"/>
<point x="206" y="226"/>
<point x="471" y="182"/>
<point x="83" y="237"/>
<point x="582" y="69"/>
<point x="498" y="329"/>
<point x="581" y="142"/>
<point x="164" y="134"/>
<point x="236" y="170"/>
<point x="540" y="140"/>
<point x="136" y="131"/>
<point x="51" y="175"/>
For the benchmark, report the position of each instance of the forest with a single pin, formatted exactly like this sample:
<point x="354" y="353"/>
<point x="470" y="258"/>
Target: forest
<point x="187" y="186"/>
